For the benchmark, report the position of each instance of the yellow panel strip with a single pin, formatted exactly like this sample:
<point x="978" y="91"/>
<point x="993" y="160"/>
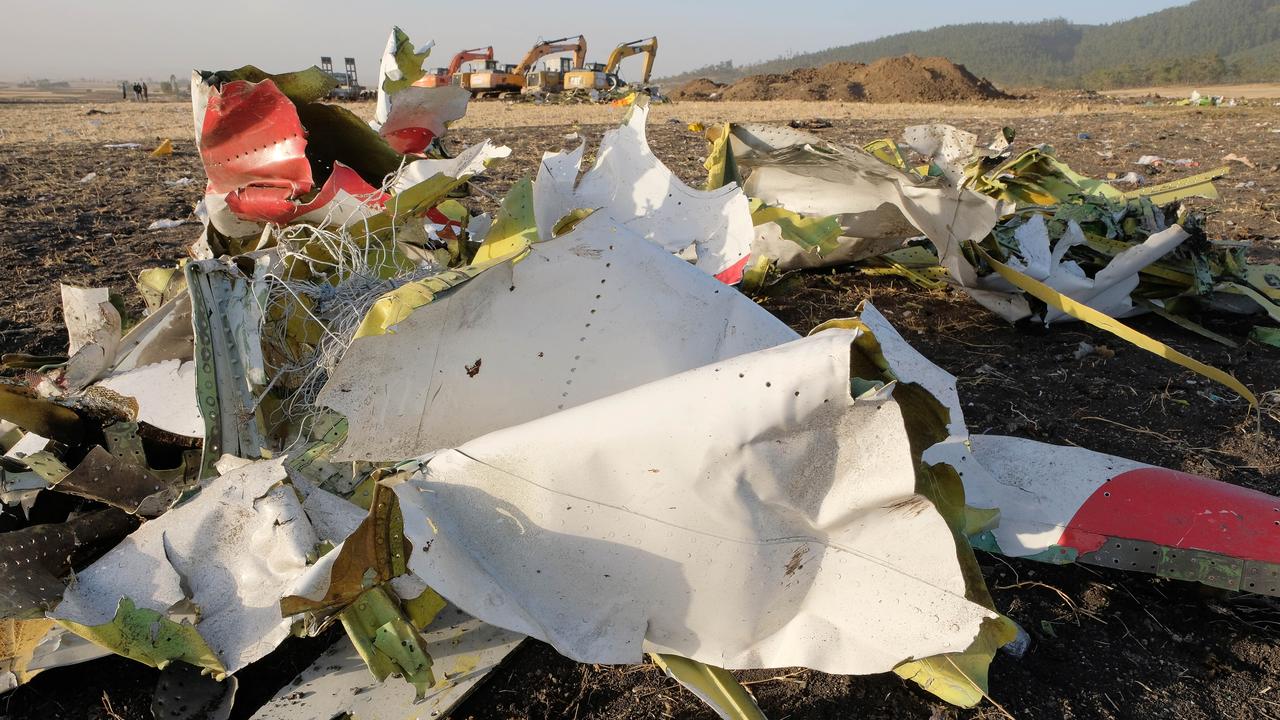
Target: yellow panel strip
<point x="1083" y="312"/>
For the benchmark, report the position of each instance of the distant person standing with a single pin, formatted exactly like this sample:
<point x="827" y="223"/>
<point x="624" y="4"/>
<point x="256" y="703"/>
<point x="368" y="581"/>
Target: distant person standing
<point x="137" y="91"/>
<point x="144" y="93"/>
<point x="124" y="89"/>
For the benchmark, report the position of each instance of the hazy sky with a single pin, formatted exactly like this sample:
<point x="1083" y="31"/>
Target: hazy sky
<point x="69" y="39"/>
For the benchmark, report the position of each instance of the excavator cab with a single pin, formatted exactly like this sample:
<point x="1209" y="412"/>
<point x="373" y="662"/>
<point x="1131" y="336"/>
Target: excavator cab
<point x="545" y="80"/>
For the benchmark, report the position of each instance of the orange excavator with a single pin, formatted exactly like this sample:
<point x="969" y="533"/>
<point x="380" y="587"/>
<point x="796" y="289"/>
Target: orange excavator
<point x="495" y="79"/>
<point x="443" y="76"/>
<point x="605" y="77"/>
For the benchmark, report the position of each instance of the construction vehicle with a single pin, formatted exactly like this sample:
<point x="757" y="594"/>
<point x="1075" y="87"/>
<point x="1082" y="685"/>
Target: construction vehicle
<point x="495" y="79"/>
<point x="605" y="77"/>
<point x="349" y="87"/>
<point x="441" y="77"/>
<point x="546" y="80"/>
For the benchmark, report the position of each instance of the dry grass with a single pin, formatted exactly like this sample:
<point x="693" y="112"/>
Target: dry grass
<point x="69" y="122"/>
<point x="1248" y="91"/>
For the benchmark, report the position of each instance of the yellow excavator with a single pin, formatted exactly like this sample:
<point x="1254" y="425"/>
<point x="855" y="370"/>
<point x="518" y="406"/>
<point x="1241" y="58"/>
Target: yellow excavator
<point x="495" y="79"/>
<point x="605" y="77"/>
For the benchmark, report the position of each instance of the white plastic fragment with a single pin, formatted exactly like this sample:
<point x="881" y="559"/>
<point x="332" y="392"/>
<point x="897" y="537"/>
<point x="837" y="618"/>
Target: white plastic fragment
<point x="165" y="224"/>
<point x="602" y="531"/>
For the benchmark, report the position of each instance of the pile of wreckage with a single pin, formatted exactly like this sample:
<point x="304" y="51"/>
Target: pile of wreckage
<point x="358" y="402"/>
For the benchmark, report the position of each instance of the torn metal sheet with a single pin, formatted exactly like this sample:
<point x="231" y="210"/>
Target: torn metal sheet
<point x="18" y="642"/>
<point x="400" y="67"/>
<point x="166" y="334"/>
<point x="947" y="147"/>
<point x="184" y="693"/>
<point x="642" y="542"/>
<point x="471" y="161"/>
<point x="630" y="184"/>
<point x="233" y="550"/>
<point x="251" y="136"/>
<point x="1061" y="504"/>
<point x="874" y="202"/>
<point x="94" y="329"/>
<point x="345" y="198"/>
<point x="166" y="396"/>
<point x="34" y="559"/>
<point x="20" y="405"/>
<point x="642" y="314"/>
<point x="463" y="652"/>
<point x="28" y="647"/>
<point x="417" y="115"/>
<point x="715" y="687"/>
<point x="1109" y="291"/>
<point x="117" y="482"/>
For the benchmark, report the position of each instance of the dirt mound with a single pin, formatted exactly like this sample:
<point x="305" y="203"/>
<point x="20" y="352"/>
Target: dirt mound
<point x="898" y="79"/>
<point x="700" y="89"/>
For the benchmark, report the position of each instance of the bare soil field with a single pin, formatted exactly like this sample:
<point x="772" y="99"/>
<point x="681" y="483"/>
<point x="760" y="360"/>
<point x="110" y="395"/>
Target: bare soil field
<point x="1104" y="644"/>
<point x="1248" y="91"/>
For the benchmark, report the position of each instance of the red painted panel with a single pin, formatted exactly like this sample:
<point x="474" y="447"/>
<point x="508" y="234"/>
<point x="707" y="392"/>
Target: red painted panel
<point x="410" y="140"/>
<point x="270" y="204"/>
<point x="1175" y="509"/>
<point x="732" y="275"/>
<point x="252" y="137"/>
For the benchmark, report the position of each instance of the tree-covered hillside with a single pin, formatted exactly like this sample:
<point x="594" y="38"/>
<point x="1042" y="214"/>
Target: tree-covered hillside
<point x="1205" y="41"/>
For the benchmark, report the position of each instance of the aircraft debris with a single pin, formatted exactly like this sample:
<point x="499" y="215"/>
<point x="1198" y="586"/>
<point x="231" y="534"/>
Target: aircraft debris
<point x="360" y="403"/>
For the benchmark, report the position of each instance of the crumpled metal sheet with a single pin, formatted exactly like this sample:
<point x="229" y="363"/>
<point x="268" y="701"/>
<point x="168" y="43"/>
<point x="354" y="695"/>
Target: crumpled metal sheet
<point x="34" y="559"/>
<point x="117" y="482"/>
<point x="471" y="161"/>
<point x="463" y="651"/>
<point x="251" y="136"/>
<point x="165" y="334"/>
<point x="630" y="184"/>
<point x="232" y="551"/>
<point x="93" y="334"/>
<point x="497" y="358"/>
<point x="344" y="198"/>
<point x="1110" y="289"/>
<point x="638" y="541"/>
<point x="417" y="115"/>
<point x="165" y="393"/>
<point x="873" y="201"/>
<point x="1059" y="504"/>
<point x="400" y="66"/>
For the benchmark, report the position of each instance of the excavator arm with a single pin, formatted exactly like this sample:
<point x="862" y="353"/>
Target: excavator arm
<point x="549" y="47"/>
<point x="648" y="46"/>
<point x="485" y="53"/>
